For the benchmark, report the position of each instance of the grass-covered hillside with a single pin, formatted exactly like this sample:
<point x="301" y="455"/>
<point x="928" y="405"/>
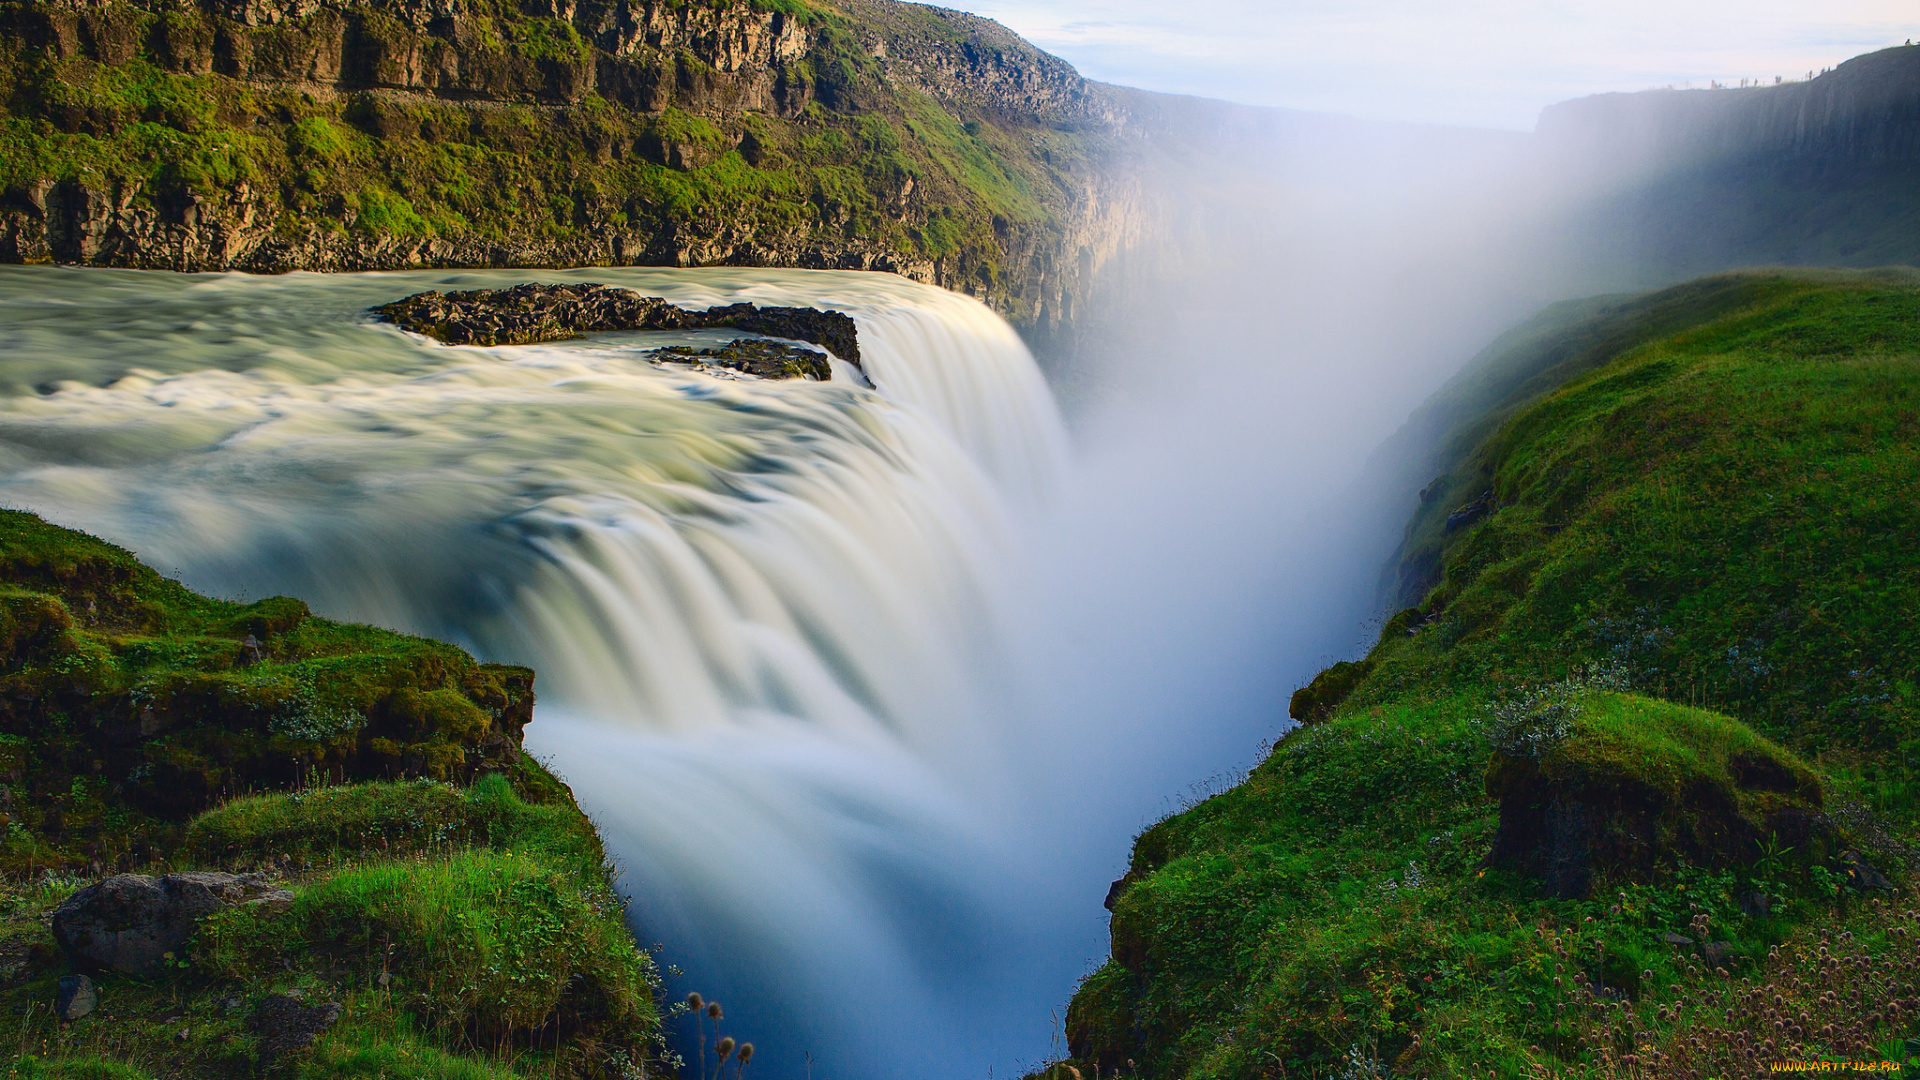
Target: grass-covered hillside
<point x="1629" y="790"/>
<point x="429" y="879"/>
<point x="357" y="134"/>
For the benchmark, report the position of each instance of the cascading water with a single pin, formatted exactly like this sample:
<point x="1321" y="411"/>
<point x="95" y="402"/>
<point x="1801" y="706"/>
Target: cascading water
<point x="769" y="618"/>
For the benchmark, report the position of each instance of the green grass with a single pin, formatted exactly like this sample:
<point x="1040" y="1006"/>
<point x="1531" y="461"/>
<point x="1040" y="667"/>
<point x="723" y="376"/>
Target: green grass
<point x="449" y="892"/>
<point x="500" y="921"/>
<point x="132" y="703"/>
<point x="1689" y="603"/>
<point x="467" y="932"/>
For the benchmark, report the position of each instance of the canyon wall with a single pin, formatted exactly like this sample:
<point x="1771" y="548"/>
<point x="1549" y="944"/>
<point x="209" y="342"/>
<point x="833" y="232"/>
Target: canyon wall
<point x="271" y="135"/>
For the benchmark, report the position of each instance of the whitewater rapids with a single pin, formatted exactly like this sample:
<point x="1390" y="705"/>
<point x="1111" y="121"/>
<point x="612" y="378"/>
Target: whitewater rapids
<point x="767" y="617"/>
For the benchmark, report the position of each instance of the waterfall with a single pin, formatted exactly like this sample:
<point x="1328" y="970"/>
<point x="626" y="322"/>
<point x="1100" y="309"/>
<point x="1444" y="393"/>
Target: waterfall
<point x="768" y="618"/>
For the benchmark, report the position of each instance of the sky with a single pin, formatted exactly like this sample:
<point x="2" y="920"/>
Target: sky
<point x="1495" y="63"/>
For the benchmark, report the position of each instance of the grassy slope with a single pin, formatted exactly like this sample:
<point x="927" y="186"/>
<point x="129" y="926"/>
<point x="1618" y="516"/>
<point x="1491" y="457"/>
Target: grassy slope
<point x="868" y="163"/>
<point x="488" y="907"/>
<point x="1702" y="510"/>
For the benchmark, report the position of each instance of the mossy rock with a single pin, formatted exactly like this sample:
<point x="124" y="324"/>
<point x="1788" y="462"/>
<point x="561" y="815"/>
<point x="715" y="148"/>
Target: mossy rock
<point x="121" y="690"/>
<point x="1315" y="701"/>
<point x="1639" y="786"/>
<point x="487" y="914"/>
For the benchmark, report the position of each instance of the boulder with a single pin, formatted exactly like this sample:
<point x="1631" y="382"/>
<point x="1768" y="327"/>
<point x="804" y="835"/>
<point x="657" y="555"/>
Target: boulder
<point x="1861" y="874"/>
<point x="288" y="1025"/>
<point x="1716" y="953"/>
<point x="129" y="923"/>
<point x="1634" y="787"/>
<point x="1472" y="512"/>
<point x="75" y="998"/>
<point x="755" y="356"/>
<point x="1316" y="701"/>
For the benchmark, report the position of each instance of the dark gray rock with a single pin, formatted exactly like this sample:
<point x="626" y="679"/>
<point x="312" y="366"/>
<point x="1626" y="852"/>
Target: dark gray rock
<point x="1716" y="953"/>
<point x="128" y="923"/>
<point x="1672" y="938"/>
<point x="755" y="356"/>
<point x="288" y="1025"/>
<point x="1861" y="874"/>
<point x="1756" y="905"/>
<point x="525" y="314"/>
<point x="1471" y="512"/>
<point x="75" y="998"/>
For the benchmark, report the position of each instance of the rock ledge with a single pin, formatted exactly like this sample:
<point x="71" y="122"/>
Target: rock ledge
<point x="525" y="314"/>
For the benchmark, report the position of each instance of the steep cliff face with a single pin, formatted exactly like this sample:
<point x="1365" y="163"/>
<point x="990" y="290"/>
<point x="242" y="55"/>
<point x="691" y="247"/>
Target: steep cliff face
<point x="271" y="135"/>
<point x="1815" y="173"/>
<point x="1865" y="111"/>
<point x="550" y="52"/>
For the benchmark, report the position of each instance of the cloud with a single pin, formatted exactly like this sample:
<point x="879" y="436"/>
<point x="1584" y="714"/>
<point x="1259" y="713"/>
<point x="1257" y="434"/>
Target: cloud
<point x="1492" y="64"/>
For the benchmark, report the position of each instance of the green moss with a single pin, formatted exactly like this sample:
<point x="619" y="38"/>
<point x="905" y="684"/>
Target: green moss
<point x="1673" y="640"/>
<point x="132" y="703"/>
<point x="1328" y="689"/>
<point x="382" y="1056"/>
<point x="467" y="933"/>
<point x="1674" y="750"/>
<point x="333" y="822"/>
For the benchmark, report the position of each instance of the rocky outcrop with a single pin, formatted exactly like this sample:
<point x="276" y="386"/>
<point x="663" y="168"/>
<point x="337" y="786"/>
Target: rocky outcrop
<point x="1316" y="701"/>
<point x="271" y="697"/>
<point x="757" y="357"/>
<point x="647" y="55"/>
<point x="1584" y="804"/>
<point x="132" y="923"/>
<point x="974" y="63"/>
<point x="525" y="314"/>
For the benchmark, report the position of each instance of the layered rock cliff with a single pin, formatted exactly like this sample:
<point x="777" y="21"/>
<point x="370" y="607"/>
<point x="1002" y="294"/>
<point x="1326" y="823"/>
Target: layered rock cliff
<point x="271" y="135"/>
<point x="1865" y="111"/>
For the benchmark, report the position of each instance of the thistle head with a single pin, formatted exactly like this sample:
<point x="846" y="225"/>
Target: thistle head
<point x="746" y="1053"/>
<point x="695" y="1002"/>
<point x="725" y="1048"/>
<point x="713" y="1009"/>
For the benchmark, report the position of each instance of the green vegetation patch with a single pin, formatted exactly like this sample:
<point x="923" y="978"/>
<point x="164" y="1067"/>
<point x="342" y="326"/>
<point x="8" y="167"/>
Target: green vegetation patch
<point x="128" y="703"/>
<point x="512" y="933"/>
<point x="1637" y="760"/>
<point x="465" y="932"/>
<point x="447" y="893"/>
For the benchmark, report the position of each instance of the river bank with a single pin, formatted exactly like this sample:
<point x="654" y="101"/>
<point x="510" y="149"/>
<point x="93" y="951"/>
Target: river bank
<point x="1626" y="788"/>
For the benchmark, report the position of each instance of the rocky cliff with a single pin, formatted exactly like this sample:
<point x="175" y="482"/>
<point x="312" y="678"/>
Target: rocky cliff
<point x="1683" y="182"/>
<point x="1865" y="111"/>
<point x="270" y="135"/>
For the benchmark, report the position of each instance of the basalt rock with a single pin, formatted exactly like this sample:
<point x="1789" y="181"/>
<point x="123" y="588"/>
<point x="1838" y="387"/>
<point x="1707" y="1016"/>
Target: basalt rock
<point x="1632" y="803"/>
<point x="76" y="997"/>
<point x="131" y="923"/>
<point x="757" y="357"/>
<point x="525" y="314"/>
